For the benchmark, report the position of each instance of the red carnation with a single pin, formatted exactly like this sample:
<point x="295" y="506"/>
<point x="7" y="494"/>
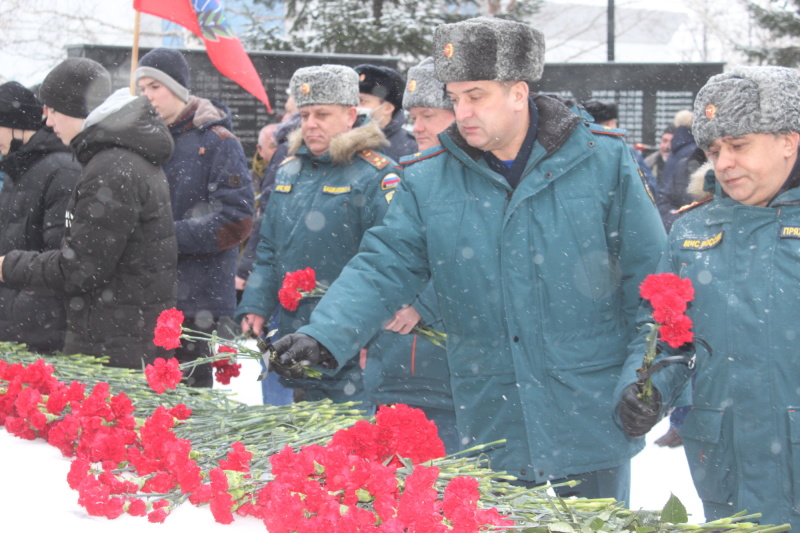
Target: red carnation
<point x="180" y="411"/>
<point x="238" y="458"/>
<point x="678" y="332"/>
<point x="158" y="516"/>
<point x="304" y="280"/>
<point x="168" y="329"/>
<point x="289" y="298"/>
<point x="226" y="369"/>
<point x="163" y="374"/>
<point x="137" y="507"/>
<point x="669" y="295"/>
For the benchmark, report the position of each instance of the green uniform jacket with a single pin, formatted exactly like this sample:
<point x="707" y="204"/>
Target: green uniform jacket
<point x="317" y="214"/>
<point x="538" y="289"/>
<point x="742" y="437"/>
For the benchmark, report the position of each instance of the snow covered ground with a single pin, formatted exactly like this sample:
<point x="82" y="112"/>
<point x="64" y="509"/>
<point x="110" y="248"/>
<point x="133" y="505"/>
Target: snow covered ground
<point x="34" y="494"/>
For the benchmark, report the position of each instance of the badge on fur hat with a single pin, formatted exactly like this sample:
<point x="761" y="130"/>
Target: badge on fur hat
<point x="305" y="88"/>
<point x="711" y="111"/>
<point x="412" y="86"/>
<point x="448" y="50"/>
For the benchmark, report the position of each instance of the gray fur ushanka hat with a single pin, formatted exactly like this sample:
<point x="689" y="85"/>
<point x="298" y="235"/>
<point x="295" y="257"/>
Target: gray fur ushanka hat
<point x="487" y="48"/>
<point x="325" y="85"/>
<point x="423" y="89"/>
<point x="747" y="100"/>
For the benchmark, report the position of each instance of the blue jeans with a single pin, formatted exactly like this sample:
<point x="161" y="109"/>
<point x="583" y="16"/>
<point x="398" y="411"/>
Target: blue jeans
<point x="272" y="391"/>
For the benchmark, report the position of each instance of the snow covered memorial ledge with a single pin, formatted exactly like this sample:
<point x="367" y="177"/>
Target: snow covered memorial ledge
<point x="84" y="443"/>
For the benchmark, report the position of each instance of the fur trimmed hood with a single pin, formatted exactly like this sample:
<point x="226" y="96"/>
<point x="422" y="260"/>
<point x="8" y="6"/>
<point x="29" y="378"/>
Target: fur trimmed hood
<point x="700" y="187"/>
<point x="344" y="146"/>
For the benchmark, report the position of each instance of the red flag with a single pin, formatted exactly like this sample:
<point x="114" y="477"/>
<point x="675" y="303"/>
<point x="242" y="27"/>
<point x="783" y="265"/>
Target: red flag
<point x="206" y="19"/>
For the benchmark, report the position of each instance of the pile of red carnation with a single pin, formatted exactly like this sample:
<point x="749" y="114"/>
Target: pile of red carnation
<point x="327" y="488"/>
<point x="369" y="478"/>
<point x="101" y="433"/>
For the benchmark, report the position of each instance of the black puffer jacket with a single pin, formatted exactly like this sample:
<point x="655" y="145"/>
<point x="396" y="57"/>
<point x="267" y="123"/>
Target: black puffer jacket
<point x="41" y="175"/>
<point x="117" y="264"/>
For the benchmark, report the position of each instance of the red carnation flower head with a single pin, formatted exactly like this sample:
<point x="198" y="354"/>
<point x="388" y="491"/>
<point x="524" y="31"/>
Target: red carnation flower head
<point x="163" y="374"/>
<point x="289" y="298"/>
<point x="669" y="295"/>
<point x="304" y="280"/>
<point x="678" y="332"/>
<point x="168" y="329"/>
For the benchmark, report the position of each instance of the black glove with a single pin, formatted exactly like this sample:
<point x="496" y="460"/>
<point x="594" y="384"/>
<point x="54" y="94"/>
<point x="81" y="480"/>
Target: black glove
<point x="638" y="415"/>
<point x="297" y="350"/>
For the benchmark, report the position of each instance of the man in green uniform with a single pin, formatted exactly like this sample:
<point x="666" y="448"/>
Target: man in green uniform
<point x="536" y="230"/>
<point x="331" y="189"/>
<point x="741" y="249"/>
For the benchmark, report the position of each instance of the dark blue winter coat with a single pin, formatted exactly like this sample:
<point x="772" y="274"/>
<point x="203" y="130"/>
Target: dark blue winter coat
<point x="673" y="194"/>
<point x="401" y="141"/>
<point x="212" y="204"/>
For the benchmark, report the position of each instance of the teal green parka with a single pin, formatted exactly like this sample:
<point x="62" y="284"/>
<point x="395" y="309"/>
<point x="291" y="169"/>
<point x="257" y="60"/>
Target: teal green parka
<point x="742" y="436"/>
<point x="317" y="214"/>
<point x="538" y="289"/>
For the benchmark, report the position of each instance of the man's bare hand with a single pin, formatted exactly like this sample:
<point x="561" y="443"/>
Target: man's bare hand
<point x="403" y="321"/>
<point x="254" y="323"/>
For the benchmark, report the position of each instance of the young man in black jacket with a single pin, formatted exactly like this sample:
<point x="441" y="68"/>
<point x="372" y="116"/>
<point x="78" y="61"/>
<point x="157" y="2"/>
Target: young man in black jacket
<point x="116" y="266"/>
<point x="41" y="174"/>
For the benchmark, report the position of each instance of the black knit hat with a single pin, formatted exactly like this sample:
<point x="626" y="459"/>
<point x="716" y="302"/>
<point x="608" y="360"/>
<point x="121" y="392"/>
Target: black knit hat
<point x="383" y="82"/>
<point x="168" y="66"/>
<point x="19" y="108"/>
<point x="75" y="87"/>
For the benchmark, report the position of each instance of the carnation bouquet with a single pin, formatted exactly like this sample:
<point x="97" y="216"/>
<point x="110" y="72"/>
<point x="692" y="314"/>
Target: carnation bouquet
<point x="303" y="284"/>
<point x="165" y="374"/>
<point x="669" y="296"/>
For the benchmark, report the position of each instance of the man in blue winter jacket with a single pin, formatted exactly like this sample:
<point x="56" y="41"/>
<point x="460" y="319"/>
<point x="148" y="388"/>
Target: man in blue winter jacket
<point x="212" y="200"/>
<point x="536" y="230"/>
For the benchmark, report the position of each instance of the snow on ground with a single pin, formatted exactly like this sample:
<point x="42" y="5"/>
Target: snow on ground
<point x="34" y="494"/>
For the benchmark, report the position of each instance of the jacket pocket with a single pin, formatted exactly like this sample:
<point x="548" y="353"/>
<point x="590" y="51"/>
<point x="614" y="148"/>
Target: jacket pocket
<point x="710" y="456"/>
<point x="794" y="439"/>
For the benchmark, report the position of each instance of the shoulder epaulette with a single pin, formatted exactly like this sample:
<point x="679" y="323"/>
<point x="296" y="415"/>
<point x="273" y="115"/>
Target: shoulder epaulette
<point x="376" y="160"/>
<point x="692" y="205"/>
<point x="287" y="160"/>
<point x="605" y="130"/>
<point x="419" y="156"/>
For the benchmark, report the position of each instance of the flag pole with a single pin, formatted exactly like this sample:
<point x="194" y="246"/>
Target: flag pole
<point x="135" y="52"/>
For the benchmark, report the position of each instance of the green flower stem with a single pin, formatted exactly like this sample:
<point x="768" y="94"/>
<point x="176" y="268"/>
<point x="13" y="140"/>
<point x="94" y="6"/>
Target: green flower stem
<point x="650" y="352"/>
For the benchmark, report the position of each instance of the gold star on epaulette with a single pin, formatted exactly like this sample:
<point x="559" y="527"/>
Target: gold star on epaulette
<point x="376" y="160"/>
